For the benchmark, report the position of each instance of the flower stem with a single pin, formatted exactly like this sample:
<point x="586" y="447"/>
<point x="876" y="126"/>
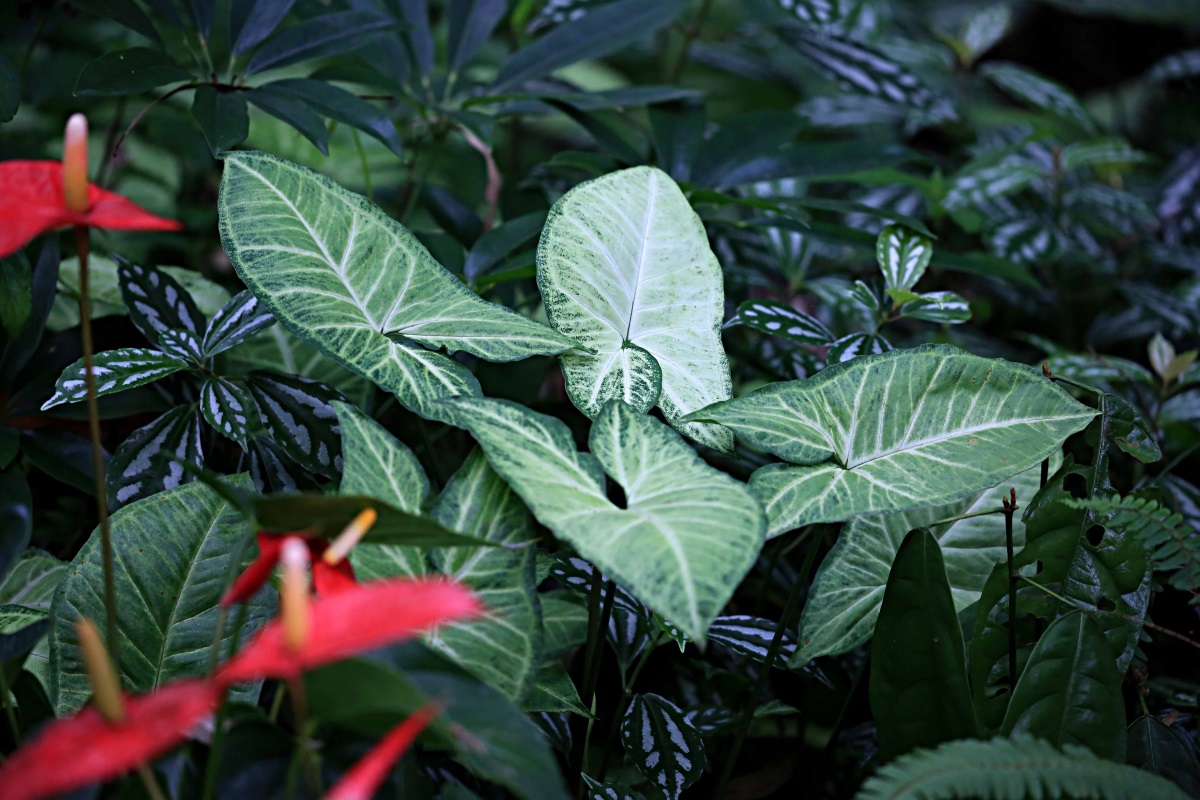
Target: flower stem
<point x="150" y="782"/>
<point x="308" y="759"/>
<point x="93" y="408"/>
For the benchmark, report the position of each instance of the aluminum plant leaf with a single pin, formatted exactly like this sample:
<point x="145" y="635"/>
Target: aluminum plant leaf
<point x="1038" y="92"/>
<point x="115" y="371"/>
<point x="662" y="744"/>
<point x="944" y="307"/>
<point x="298" y="416"/>
<point x="502" y="648"/>
<point x="688" y="533"/>
<point x="843" y="603"/>
<point x="781" y="319"/>
<point x="236" y="321"/>
<point x="172" y="554"/>
<point x="145" y="463"/>
<point x="896" y="431"/>
<point x="229" y="408"/>
<point x="903" y="255"/>
<point x="341" y="274"/>
<point x="626" y="273"/>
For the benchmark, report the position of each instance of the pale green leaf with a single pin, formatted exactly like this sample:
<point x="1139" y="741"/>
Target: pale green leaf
<point x="338" y="272"/>
<point x="623" y="260"/>
<point x="688" y="533"/>
<point x="900" y="430"/>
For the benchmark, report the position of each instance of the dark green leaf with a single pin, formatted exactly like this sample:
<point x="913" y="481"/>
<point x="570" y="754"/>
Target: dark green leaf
<point x="128" y="13"/>
<point x="256" y="19"/>
<point x="144" y="463"/>
<point x="605" y="30"/>
<point x="607" y="791"/>
<point x="751" y="637"/>
<point x="139" y="69"/>
<point x="228" y="408"/>
<point x="781" y="319"/>
<point x="182" y="345"/>
<point x="335" y="103"/>
<point x="1128" y="429"/>
<point x="114" y="371"/>
<point x="1165" y="750"/>
<point x="1070" y="690"/>
<point x="299" y="417"/>
<point x="173" y="553"/>
<point x="157" y="302"/>
<point x="222" y="117"/>
<point x="471" y="23"/>
<point x="319" y="37"/>
<point x="678" y="133"/>
<point x="328" y="515"/>
<point x="238" y="320"/>
<point x="919" y="691"/>
<point x="20" y="630"/>
<point x="22" y="347"/>
<point x="295" y="113"/>
<point x="10" y="90"/>
<point x="553" y="690"/>
<point x="16" y="292"/>
<point x="662" y="744"/>
<point x="63" y="455"/>
<point x="16" y="516"/>
<point x="495" y="245"/>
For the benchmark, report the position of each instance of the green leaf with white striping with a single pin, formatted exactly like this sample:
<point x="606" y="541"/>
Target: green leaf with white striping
<point x="167" y="591"/>
<point x="114" y="371"/>
<point x="624" y="260"/>
<point x="974" y="184"/>
<point x="238" y="320"/>
<point x="182" y="345"/>
<point x="553" y="690"/>
<point x="228" y="408"/>
<point x="1100" y="152"/>
<point x="338" y="272"/>
<point x="1026" y="239"/>
<point x="662" y="744"/>
<point x="843" y="603"/>
<point x="945" y="307"/>
<point x="157" y="302"/>
<point x="1039" y="92"/>
<point x="688" y="533"/>
<point x="903" y="255"/>
<point x="900" y="430"/>
<point x="855" y="345"/>
<point x="751" y="637"/>
<point x="607" y="791"/>
<point x="298" y="415"/>
<point x="781" y="319"/>
<point x="144" y="464"/>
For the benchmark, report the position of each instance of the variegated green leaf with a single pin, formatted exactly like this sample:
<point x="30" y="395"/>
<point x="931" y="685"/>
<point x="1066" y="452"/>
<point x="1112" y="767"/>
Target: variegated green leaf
<point x="182" y="345"/>
<point x="1184" y="64"/>
<point x="564" y="622"/>
<point x="855" y="345"/>
<point x="144" y="464"/>
<point x="607" y="791"/>
<point x="1100" y="152"/>
<point x="688" y="533"/>
<point x="157" y="302"/>
<point x="629" y="626"/>
<point x="236" y="321"/>
<point x="299" y="417"/>
<point x="975" y="185"/>
<point x="31" y="583"/>
<point x="781" y="319"/>
<point x="1038" y="92"/>
<point x="847" y="592"/>
<point x="946" y="307"/>
<point x="228" y="408"/>
<point x="623" y="260"/>
<point x="984" y="28"/>
<point x="662" y="744"/>
<point x="903" y="255"/>
<point x="338" y="272"/>
<point x="553" y="690"/>
<point x="1026" y="240"/>
<point x="751" y="637"/>
<point x="901" y="430"/>
<point x="114" y="371"/>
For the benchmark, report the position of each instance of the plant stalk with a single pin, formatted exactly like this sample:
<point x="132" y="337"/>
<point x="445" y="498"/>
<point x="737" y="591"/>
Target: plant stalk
<point x="1009" y="509"/>
<point x="9" y="711"/>
<point x="150" y="782"/>
<point x="93" y="408"/>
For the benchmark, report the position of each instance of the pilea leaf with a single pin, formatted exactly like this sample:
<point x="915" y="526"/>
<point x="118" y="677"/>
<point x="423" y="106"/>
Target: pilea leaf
<point x="115" y="371"/>
<point x="780" y="319"/>
<point x="157" y="302"/>
<point x="238" y="320"/>
<point x="228" y="408"/>
<point x="662" y="744"/>
<point x="144" y="464"/>
<point x="903" y="255"/>
<point x="298" y="415"/>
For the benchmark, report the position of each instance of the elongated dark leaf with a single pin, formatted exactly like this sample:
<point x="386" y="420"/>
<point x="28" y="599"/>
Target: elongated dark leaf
<point x="128" y="13"/>
<point x="335" y="103"/>
<point x="919" y="691"/>
<point x="319" y="37"/>
<point x="256" y="20"/>
<point x="114" y="371"/>
<point x="327" y="515"/>
<point x="299" y="417"/>
<point x="1070" y="690"/>
<point x="662" y="744"/>
<point x="781" y="319"/>
<point x="607" y="28"/>
<point x="228" y="408"/>
<point x="144" y="464"/>
<point x="471" y="23"/>
<point x="751" y="637"/>
<point x="236" y="321"/>
<point x="287" y="108"/>
<point x="1165" y="750"/>
<point x="138" y="69"/>
<point x="16" y="516"/>
<point x="222" y="117"/>
<point x="21" y="348"/>
<point x="157" y="302"/>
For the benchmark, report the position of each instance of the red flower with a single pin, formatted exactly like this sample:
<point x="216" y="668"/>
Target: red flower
<point x="339" y="625"/>
<point x="32" y="203"/>
<point x="327" y="579"/>
<point x="87" y="748"/>
<point x="364" y="778"/>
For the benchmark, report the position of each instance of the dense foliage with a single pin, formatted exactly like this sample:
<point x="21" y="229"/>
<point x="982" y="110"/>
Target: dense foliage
<point x="805" y="390"/>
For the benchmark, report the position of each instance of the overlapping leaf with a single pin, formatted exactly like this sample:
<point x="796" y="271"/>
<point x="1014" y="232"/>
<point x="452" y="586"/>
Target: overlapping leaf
<point x="626" y="273"/>
<point x="688" y="533"/>
<point x="238" y="320"/>
<point x="341" y="274"/>
<point x="903" y="255"/>
<point x="662" y="744"/>
<point x="905" y="429"/>
<point x="145" y="463"/>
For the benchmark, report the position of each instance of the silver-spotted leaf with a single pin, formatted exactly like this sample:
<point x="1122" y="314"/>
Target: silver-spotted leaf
<point x="903" y="255"/>
<point x="299" y="417"/>
<point x="663" y="745"/>
<point x="228" y="408"/>
<point x="238" y="320"/>
<point x="781" y="319"/>
<point x="146" y="462"/>
<point x="114" y="371"/>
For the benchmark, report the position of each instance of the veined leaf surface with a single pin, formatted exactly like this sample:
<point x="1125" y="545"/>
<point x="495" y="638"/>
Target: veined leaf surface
<point x="338" y="272"/>
<point x="687" y="535"/>
<point x="626" y="273"/>
<point x="662" y="743"/>
<point x="114" y="371"/>
<point x="900" y="430"/>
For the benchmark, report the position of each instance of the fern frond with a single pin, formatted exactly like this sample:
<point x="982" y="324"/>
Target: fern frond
<point x="1174" y="545"/>
<point x="1012" y="769"/>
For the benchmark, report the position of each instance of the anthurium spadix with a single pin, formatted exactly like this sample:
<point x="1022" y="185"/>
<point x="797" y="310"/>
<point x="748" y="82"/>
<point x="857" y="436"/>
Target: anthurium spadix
<point x="895" y="431"/>
<point x="340" y="273"/>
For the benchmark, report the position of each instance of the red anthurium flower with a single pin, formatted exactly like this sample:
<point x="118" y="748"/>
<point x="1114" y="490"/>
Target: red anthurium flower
<point x="363" y="618"/>
<point x="327" y="579"/>
<point x="88" y="748"/>
<point x="364" y="778"/>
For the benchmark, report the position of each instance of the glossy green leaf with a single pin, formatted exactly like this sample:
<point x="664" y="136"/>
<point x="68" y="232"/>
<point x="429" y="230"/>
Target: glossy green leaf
<point x="564" y="622"/>
<point x="288" y="109"/>
<point x="1070" y="690"/>
<point x="626" y="272"/>
<point x="16" y="516"/>
<point x="20" y="629"/>
<point x="944" y="307"/>
<point x="182" y="345"/>
<point x="919" y="691"/>
<point x="32" y="580"/>
<point x="132" y="71"/>
<point x="222" y="117"/>
<point x="328" y="515"/>
<point x="1165" y="750"/>
<point x="903" y="255"/>
<point x="553" y="691"/>
<point x="259" y="19"/>
<point x="471" y="23"/>
<point x="843" y="602"/>
<point x="751" y="637"/>
<point x="171" y="556"/>
<point x="157" y="301"/>
<point x="341" y="105"/>
<point x="662" y="744"/>
<point x="901" y="430"/>
<point x="338" y="272"/>
<point x="854" y="345"/>
<point x="687" y="534"/>
<point x="317" y="37"/>
<point x="278" y="349"/>
<point x="115" y="371"/>
<point x="239" y="319"/>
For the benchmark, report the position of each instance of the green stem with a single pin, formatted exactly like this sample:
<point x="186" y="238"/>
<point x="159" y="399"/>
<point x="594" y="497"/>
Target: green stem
<point x="688" y="37"/>
<point x="1045" y="474"/>
<point x="947" y="520"/>
<point x="93" y="409"/>
<point x="214" y="750"/>
<point x="1009" y="510"/>
<point x="362" y="159"/>
<point x="592" y="652"/>
<point x="785" y="622"/>
<point x="627" y="698"/>
<point x="150" y="782"/>
<point x="9" y="711"/>
<point x="312" y="770"/>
